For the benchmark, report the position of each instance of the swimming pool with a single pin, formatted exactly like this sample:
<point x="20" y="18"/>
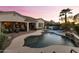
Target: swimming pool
<point x="47" y="39"/>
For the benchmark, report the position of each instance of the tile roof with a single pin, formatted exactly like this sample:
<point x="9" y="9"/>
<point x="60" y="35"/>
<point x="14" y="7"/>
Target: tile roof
<point x="27" y="18"/>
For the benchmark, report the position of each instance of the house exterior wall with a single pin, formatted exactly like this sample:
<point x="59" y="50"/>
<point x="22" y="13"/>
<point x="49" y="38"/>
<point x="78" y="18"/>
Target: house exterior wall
<point x="40" y="24"/>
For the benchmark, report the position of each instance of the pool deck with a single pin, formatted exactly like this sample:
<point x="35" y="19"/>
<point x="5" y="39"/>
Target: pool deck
<point x="17" y="46"/>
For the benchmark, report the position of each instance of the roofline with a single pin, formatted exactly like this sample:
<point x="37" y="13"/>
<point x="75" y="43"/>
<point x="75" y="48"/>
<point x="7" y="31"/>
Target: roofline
<point x="21" y="15"/>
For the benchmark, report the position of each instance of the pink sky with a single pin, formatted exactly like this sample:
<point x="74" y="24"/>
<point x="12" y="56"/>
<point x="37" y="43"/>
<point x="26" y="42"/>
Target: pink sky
<point x="45" y="12"/>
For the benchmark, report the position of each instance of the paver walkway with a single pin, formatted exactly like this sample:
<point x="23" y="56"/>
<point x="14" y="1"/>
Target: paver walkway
<point x="17" y="46"/>
<point x="14" y="35"/>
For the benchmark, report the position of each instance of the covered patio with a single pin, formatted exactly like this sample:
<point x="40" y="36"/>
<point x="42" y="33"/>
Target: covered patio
<point x="12" y="26"/>
<point x="11" y="21"/>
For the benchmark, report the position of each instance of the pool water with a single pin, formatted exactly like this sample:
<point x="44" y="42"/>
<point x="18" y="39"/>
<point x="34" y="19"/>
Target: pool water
<point x="47" y="39"/>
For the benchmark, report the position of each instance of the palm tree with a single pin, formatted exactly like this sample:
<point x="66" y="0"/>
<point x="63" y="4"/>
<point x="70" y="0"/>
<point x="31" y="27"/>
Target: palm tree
<point x="64" y="13"/>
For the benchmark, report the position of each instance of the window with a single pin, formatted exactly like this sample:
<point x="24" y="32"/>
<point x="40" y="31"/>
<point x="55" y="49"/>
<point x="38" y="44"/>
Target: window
<point x="40" y="24"/>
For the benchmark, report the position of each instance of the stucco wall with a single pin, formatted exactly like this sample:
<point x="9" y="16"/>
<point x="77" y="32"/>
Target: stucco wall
<point x="37" y="24"/>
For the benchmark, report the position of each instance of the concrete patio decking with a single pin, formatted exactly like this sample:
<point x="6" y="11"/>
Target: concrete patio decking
<point x="17" y="46"/>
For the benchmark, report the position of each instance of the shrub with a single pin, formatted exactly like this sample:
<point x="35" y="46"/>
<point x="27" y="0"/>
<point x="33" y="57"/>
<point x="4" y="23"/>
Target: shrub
<point x="76" y="28"/>
<point x="3" y="38"/>
<point x="65" y="26"/>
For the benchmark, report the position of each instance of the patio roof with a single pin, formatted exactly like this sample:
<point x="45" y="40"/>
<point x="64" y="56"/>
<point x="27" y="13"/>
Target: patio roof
<point x="21" y="19"/>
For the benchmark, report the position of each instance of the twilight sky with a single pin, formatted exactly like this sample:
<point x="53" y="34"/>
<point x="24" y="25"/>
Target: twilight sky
<point x="45" y="12"/>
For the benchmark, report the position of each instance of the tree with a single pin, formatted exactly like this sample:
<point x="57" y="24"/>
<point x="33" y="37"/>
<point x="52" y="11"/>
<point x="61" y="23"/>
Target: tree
<point x="64" y="13"/>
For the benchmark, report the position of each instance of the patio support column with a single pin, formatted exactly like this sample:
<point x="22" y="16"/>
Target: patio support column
<point x="37" y="25"/>
<point x="27" y="26"/>
<point x="0" y="27"/>
<point x="14" y="27"/>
